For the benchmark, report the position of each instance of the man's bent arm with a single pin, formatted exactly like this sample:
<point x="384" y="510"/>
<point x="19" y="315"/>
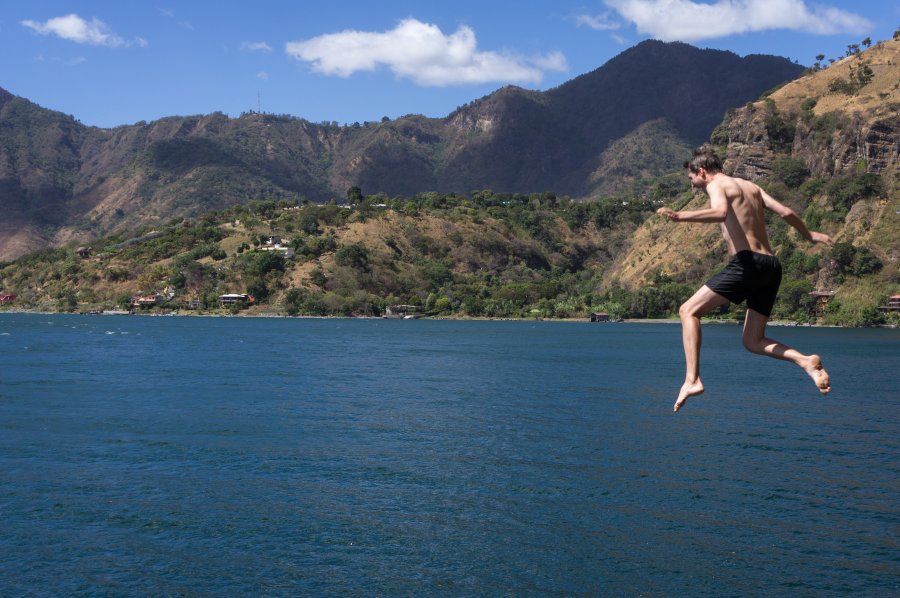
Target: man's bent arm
<point x="707" y="215"/>
<point x="716" y="212"/>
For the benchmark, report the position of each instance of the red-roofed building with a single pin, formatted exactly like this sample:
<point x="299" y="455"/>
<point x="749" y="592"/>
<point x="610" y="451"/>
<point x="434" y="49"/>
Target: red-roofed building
<point x="146" y="300"/>
<point x="821" y="304"/>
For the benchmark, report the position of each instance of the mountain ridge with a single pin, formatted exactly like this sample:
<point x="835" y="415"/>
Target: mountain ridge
<point x="60" y="180"/>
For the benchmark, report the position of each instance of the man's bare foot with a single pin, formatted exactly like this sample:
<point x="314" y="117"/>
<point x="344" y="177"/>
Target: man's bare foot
<point x="818" y="374"/>
<point x="689" y="389"/>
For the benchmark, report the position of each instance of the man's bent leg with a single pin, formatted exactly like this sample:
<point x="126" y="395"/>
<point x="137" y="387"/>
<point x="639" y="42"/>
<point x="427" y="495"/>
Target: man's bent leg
<point x="755" y="341"/>
<point x="702" y="302"/>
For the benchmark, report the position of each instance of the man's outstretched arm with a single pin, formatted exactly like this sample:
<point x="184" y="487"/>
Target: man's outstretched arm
<point x="791" y="217"/>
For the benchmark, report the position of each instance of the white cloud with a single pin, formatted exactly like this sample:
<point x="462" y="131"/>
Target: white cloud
<point x="554" y="61"/>
<point x="262" y="75"/>
<point x="74" y="28"/>
<point x="256" y="47"/>
<point x="687" y="20"/>
<point x="420" y="52"/>
<point x="71" y="61"/>
<point x="601" y="22"/>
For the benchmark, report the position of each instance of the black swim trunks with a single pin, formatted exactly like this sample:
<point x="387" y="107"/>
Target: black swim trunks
<point x="751" y="276"/>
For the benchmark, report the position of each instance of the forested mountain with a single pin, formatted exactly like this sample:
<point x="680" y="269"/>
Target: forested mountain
<point x="826" y="143"/>
<point x="61" y="181"/>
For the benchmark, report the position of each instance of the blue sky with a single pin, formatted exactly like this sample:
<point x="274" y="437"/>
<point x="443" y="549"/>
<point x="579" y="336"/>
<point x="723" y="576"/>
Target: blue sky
<point x="113" y="63"/>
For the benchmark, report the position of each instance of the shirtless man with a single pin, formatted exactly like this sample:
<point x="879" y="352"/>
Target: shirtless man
<point x="753" y="273"/>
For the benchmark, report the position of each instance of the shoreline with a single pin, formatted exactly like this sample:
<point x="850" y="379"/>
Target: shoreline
<point x="190" y="314"/>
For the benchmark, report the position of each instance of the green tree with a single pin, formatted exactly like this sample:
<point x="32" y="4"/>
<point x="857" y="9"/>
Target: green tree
<point x="293" y="301"/>
<point x="309" y="223"/>
<point x="780" y="131"/>
<point x="856" y="261"/>
<point x="865" y="262"/>
<point x="354" y="195"/>
<point x="791" y="171"/>
<point x="843" y="192"/>
<point x="318" y="278"/>
<point x="437" y="274"/>
<point x="353" y="255"/>
<point x="263" y="262"/>
<point x="794" y="300"/>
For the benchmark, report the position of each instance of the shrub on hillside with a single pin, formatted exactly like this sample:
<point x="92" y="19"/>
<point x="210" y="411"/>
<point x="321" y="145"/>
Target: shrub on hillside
<point x="843" y="192"/>
<point x="856" y="261"/>
<point x="791" y="171"/>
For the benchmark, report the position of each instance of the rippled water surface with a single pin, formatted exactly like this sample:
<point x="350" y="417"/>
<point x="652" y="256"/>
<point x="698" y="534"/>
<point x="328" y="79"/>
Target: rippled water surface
<point x="282" y="457"/>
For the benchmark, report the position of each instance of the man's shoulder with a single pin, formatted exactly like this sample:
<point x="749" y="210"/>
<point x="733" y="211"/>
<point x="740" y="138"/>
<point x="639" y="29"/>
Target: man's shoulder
<point x="730" y="185"/>
<point x="737" y="185"/>
<point x="729" y="179"/>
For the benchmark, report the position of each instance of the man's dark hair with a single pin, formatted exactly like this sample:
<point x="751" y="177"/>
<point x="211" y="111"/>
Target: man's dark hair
<point x="704" y="157"/>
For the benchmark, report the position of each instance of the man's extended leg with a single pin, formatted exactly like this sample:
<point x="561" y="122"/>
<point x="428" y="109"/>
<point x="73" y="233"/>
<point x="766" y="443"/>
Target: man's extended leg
<point x="702" y="302"/>
<point x="755" y="340"/>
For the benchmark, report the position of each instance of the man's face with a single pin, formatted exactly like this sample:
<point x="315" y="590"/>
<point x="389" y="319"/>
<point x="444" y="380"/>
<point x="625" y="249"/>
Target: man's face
<point x="698" y="179"/>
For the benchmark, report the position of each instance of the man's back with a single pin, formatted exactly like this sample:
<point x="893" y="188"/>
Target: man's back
<point x="744" y="226"/>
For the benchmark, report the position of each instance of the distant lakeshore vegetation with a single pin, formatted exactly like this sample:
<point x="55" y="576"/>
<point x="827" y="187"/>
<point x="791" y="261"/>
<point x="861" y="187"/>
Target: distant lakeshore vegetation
<point x="486" y="255"/>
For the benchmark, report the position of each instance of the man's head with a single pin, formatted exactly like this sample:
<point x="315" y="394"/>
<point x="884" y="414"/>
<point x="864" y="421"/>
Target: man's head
<point x="703" y="165"/>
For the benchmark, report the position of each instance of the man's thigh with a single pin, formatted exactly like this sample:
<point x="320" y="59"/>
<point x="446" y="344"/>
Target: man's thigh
<point x="703" y="301"/>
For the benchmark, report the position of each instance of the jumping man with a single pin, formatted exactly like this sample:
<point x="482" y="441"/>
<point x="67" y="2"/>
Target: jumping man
<point x="753" y="273"/>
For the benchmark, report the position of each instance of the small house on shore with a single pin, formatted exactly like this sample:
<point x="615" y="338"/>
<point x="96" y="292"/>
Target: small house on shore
<point x="821" y="302"/>
<point x="893" y="305"/>
<point x="7" y="298"/>
<point x="234" y="298"/>
<point x="599" y="316"/>
<point x="403" y="311"/>
<point x="144" y="301"/>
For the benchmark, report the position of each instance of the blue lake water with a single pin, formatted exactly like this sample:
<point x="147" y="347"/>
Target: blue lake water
<point x="147" y="456"/>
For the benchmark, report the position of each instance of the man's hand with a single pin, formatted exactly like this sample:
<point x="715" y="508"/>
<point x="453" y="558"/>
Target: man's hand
<point x="816" y="237"/>
<point x="667" y="213"/>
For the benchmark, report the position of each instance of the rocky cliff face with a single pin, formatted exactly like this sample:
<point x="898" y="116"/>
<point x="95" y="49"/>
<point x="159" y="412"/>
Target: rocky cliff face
<point x="827" y="119"/>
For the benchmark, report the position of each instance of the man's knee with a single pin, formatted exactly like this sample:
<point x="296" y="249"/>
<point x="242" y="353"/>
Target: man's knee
<point x="754" y="333"/>
<point x="689" y="310"/>
<point x="752" y="342"/>
<point x="749" y="343"/>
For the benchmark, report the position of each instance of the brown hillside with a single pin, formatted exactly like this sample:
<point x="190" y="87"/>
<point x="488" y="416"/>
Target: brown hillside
<point x="883" y="59"/>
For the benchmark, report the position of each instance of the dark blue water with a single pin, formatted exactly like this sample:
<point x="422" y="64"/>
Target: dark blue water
<point x="286" y="457"/>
